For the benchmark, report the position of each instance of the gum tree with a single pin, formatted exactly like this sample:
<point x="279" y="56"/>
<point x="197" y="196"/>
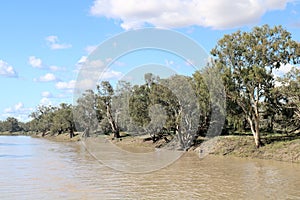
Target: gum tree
<point x="104" y="105"/>
<point x="289" y="91"/>
<point x="42" y="119"/>
<point x="85" y="113"/>
<point x="246" y="60"/>
<point x="63" y="120"/>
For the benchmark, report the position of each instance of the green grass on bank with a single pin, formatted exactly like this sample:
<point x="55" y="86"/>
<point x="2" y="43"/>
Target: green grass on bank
<point x="275" y="147"/>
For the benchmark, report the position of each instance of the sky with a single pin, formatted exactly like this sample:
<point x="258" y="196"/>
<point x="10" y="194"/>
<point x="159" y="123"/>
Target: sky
<point x="44" y="43"/>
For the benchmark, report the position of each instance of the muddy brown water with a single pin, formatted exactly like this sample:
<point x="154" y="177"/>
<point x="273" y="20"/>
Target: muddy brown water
<point x="32" y="168"/>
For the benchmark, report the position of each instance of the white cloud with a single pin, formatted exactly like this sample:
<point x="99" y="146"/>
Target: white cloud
<point x="282" y="70"/>
<point x="54" y="43"/>
<point x="85" y="84"/>
<point x="169" y="63"/>
<point x="93" y="70"/>
<point x="45" y="101"/>
<point x="89" y="80"/>
<point x="19" y="106"/>
<point x="56" y="68"/>
<point x="108" y="60"/>
<point x="46" y="78"/>
<point x="17" y="111"/>
<point x="218" y="14"/>
<point x="82" y="60"/>
<point x="7" y="70"/>
<point x="65" y="85"/>
<point x="90" y="49"/>
<point x="8" y="110"/>
<point x="111" y="75"/>
<point x="35" y="62"/>
<point x="60" y="46"/>
<point x="90" y="69"/>
<point x="47" y="94"/>
<point x="38" y="63"/>
<point x="95" y="64"/>
<point x="118" y="64"/>
<point x="52" y="39"/>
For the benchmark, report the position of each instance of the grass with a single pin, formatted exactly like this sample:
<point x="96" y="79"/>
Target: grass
<point x="276" y="147"/>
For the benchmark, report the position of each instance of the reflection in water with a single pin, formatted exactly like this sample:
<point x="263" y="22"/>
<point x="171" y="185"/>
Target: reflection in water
<point x="40" y="169"/>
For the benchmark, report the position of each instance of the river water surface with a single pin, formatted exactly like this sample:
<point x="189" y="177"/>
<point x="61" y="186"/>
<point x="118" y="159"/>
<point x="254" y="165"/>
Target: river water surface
<point x="32" y="168"/>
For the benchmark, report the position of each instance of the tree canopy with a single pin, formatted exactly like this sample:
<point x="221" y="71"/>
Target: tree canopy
<point x="247" y="60"/>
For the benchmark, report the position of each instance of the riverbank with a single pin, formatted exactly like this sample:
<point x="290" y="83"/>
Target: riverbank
<point x="276" y="147"/>
<point x="64" y="137"/>
<point x="279" y="148"/>
<point x="7" y="133"/>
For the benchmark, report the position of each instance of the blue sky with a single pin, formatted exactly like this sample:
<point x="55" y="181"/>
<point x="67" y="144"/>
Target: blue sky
<point x="44" y="42"/>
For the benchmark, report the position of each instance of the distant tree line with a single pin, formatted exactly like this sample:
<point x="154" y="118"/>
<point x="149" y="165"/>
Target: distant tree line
<point x="11" y="125"/>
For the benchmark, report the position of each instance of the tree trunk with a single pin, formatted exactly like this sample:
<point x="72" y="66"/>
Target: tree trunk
<point x="178" y="129"/>
<point x="71" y="133"/>
<point x="112" y="122"/>
<point x="71" y="129"/>
<point x="255" y="131"/>
<point x="86" y="133"/>
<point x="117" y="134"/>
<point x="257" y="139"/>
<point x="180" y="138"/>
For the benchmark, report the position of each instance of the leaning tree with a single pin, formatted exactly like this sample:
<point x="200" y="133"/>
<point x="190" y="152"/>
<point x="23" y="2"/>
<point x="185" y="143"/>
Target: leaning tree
<point x="104" y="105"/>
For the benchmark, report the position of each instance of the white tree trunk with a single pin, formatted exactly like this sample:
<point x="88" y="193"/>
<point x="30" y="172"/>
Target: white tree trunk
<point x="255" y="130"/>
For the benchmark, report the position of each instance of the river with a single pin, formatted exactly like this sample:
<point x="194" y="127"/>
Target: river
<point x="33" y="168"/>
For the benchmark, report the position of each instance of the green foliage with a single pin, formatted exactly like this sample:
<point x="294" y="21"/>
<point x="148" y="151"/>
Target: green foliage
<point x="138" y="105"/>
<point x="120" y="105"/>
<point x="42" y="119"/>
<point x="104" y="106"/>
<point x="63" y="119"/>
<point x="247" y="60"/>
<point x="85" y="113"/>
<point x="288" y="96"/>
<point x="52" y="119"/>
<point x="11" y="124"/>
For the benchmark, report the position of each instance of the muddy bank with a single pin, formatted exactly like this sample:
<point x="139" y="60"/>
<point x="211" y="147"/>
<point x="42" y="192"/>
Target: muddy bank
<point x="278" y="148"/>
<point x="7" y="133"/>
<point x="64" y="137"/>
<point x="137" y="144"/>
